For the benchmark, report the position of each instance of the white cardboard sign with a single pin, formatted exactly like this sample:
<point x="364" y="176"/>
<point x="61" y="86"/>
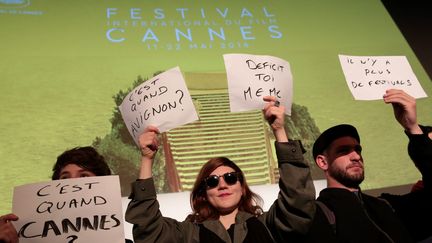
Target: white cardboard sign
<point x="251" y="77"/>
<point x="368" y="77"/>
<point x="87" y="209"/>
<point x="163" y="101"/>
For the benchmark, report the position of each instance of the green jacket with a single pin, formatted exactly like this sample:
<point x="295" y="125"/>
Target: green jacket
<point x="288" y="217"/>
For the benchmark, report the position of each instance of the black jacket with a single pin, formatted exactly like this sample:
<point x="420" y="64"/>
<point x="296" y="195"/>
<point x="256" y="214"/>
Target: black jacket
<point x="359" y="218"/>
<point x="415" y="208"/>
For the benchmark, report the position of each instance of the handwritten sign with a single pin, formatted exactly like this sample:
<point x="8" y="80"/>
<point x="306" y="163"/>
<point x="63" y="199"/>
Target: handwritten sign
<point x="368" y="77"/>
<point x="251" y="77"/>
<point x="71" y="210"/>
<point x="163" y="101"/>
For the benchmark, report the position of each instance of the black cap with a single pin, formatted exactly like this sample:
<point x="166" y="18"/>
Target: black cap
<point x="331" y="134"/>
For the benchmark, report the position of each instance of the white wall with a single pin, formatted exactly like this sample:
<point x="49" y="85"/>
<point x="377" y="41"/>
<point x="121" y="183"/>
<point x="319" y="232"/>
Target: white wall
<point x="176" y="205"/>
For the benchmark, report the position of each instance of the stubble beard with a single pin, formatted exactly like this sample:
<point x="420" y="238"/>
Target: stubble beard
<point x="346" y="179"/>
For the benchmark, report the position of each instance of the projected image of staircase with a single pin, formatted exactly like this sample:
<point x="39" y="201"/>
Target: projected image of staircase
<point x="240" y="136"/>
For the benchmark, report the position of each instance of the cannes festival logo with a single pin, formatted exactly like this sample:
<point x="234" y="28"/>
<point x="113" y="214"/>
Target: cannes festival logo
<point x="14" y="3"/>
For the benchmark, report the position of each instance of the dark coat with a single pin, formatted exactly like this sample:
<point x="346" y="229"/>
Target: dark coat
<point x="415" y="208"/>
<point x="359" y="218"/>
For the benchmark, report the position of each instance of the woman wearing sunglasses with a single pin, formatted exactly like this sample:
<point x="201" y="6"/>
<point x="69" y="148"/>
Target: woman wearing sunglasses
<point x="224" y="208"/>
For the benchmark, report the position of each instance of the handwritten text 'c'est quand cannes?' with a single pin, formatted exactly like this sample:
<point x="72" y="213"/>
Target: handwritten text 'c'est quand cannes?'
<point x="64" y="226"/>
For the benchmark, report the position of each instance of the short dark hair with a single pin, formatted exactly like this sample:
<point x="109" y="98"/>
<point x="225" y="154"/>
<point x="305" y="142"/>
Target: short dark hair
<point x="85" y="157"/>
<point x="331" y="134"/>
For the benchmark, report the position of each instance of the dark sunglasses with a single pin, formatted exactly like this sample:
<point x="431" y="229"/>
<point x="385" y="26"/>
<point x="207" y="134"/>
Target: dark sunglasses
<point x="230" y="178"/>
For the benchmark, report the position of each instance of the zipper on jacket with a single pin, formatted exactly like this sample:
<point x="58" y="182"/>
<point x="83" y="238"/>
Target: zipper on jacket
<point x="373" y="222"/>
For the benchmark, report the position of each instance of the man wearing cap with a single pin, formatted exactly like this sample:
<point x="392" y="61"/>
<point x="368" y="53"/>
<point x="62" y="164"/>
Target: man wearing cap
<point x="344" y="213"/>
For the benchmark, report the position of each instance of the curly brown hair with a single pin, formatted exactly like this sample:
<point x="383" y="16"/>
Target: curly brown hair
<point x="203" y="210"/>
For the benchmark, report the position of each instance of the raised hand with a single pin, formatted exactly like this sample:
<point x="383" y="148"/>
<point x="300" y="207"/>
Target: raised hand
<point x="404" y="109"/>
<point x="148" y="141"/>
<point x="274" y="113"/>
<point x="8" y="233"/>
<point x="149" y="144"/>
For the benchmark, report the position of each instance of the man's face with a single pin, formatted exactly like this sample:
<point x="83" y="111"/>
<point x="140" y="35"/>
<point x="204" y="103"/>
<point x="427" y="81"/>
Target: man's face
<point x="345" y="163"/>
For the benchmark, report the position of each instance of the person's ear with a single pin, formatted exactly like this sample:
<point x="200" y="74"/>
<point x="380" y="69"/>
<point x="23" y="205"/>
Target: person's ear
<point x="321" y="161"/>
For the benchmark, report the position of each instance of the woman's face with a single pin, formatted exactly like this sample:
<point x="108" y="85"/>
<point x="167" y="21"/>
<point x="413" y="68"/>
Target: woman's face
<point x="74" y="171"/>
<point x="224" y="197"/>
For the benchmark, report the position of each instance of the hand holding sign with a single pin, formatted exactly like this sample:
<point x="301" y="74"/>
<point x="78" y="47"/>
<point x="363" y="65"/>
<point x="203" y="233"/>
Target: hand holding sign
<point x="368" y="77"/>
<point x="8" y="232"/>
<point x="251" y="77"/>
<point x="404" y="109"/>
<point x="162" y="101"/>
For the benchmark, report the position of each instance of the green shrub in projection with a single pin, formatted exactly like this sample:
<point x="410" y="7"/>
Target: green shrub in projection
<point x="121" y="152"/>
<point x="300" y="125"/>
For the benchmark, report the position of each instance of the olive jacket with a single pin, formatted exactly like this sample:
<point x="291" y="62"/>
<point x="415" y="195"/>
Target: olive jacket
<point x="288" y="217"/>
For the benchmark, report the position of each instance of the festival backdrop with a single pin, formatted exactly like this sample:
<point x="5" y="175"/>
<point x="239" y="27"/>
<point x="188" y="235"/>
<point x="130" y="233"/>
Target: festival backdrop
<point x="65" y="66"/>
